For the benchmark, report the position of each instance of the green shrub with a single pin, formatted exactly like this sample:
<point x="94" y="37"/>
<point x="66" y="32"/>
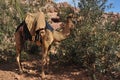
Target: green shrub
<point x="92" y="44"/>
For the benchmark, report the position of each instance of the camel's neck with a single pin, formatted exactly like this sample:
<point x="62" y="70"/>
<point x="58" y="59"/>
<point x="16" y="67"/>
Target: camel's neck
<point x="66" y="29"/>
<point x="58" y="36"/>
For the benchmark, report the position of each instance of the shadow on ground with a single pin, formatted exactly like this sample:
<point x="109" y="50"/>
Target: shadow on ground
<point x="32" y="68"/>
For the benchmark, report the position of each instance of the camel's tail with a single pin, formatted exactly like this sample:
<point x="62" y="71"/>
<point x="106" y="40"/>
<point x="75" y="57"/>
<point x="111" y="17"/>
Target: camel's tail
<point x="25" y="30"/>
<point x="21" y="24"/>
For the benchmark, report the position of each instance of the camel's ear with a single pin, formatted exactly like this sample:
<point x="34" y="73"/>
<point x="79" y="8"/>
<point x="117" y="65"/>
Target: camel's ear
<point x="70" y="15"/>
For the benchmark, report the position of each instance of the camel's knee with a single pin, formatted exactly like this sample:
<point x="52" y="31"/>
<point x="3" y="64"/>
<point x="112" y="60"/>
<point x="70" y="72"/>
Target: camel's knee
<point x="44" y="62"/>
<point x="48" y="60"/>
<point x="18" y="51"/>
<point x="17" y="56"/>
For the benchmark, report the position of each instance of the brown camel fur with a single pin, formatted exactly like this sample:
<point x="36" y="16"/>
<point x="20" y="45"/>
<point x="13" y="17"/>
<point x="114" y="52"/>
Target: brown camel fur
<point x="48" y="38"/>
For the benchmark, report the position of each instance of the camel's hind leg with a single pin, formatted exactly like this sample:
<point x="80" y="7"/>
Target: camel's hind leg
<point x="19" y="45"/>
<point x="18" y="61"/>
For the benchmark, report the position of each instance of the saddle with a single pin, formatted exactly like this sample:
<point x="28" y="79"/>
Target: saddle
<point x="26" y="33"/>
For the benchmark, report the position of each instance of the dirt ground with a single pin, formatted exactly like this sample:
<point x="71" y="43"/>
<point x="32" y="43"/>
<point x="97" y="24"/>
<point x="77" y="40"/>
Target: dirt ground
<point x="32" y="68"/>
<point x="10" y="72"/>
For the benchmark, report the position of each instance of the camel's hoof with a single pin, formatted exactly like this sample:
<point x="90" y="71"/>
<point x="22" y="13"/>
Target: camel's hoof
<point x="20" y="72"/>
<point x="43" y="77"/>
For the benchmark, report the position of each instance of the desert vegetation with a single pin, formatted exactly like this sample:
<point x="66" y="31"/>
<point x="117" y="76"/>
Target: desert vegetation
<point x="94" y="43"/>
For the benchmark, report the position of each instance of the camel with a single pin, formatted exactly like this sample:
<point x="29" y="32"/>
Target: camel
<point x="46" y="41"/>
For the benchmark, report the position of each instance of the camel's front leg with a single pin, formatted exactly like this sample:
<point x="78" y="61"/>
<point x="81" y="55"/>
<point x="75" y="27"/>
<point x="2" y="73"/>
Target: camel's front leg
<point x="47" y="39"/>
<point x="44" y="59"/>
<point x="48" y="62"/>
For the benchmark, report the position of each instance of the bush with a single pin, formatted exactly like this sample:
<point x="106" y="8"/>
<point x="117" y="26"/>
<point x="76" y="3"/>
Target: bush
<point x="92" y="44"/>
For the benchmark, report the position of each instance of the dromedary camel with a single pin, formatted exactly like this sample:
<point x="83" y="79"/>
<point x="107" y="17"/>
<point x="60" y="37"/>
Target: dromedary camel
<point x="22" y="34"/>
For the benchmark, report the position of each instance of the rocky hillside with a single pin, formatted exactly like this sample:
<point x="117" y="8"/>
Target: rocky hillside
<point x="113" y="17"/>
<point x="50" y="8"/>
<point x="52" y="11"/>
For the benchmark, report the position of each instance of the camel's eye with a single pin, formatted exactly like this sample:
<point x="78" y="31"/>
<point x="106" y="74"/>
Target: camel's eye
<point x="74" y="21"/>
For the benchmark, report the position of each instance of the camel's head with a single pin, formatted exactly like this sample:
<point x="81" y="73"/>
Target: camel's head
<point x="70" y="22"/>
